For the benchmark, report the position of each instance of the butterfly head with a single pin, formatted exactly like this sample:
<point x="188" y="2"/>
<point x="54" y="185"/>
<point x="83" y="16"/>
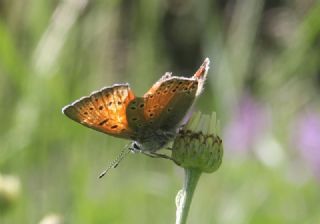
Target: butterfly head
<point x="153" y="142"/>
<point x="148" y="146"/>
<point x="135" y="146"/>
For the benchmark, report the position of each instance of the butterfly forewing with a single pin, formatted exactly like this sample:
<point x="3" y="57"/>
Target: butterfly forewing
<point x="169" y="99"/>
<point x="168" y="104"/>
<point x="104" y="110"/>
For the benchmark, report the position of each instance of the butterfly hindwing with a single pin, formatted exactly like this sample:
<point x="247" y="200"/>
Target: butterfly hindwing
<point x="135" y="115"/>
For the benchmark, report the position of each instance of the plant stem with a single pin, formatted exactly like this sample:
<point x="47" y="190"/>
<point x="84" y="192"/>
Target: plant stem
<point x="184" y="196"/>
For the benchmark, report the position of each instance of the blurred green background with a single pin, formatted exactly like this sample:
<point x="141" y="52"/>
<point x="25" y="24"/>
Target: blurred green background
<point x="264" y="84"/>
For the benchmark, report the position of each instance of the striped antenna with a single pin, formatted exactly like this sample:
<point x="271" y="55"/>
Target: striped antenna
<point x="116" y="162"/>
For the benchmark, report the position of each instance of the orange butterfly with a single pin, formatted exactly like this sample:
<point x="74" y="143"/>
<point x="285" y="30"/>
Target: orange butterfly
<point x="150" y="121"/>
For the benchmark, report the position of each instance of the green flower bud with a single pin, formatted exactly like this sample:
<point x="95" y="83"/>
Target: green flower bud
<point x="197" y="146"/>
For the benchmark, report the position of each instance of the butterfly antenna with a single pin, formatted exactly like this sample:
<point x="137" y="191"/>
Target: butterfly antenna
<point x="116" y="162"/>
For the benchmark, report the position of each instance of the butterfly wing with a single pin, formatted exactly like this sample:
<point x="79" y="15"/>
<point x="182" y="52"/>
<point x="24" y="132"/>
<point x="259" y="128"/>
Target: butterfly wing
<point x="104" y="110"/>
<point x="167" y="102"/>
<point x="167" y="106"/>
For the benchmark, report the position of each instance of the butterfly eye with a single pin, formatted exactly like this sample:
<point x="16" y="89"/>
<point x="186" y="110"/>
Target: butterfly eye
<point x="135" y="146"/>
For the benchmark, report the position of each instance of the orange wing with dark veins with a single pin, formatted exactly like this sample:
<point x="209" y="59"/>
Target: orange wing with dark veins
<point x="200" y="75"/>
<point x="104" y="110"/>
<point x="169" y="99"/>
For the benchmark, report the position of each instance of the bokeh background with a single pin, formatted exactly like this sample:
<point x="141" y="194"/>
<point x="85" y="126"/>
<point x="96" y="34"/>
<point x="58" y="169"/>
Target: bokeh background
<point x="264" y="84"/>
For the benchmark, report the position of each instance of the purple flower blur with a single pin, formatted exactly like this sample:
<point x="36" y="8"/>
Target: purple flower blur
<point x="307" y="139"/>
<point x="247" y="125"/>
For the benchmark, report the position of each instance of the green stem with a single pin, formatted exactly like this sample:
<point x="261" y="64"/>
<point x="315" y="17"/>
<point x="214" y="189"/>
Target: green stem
<point x="184" y="196"/>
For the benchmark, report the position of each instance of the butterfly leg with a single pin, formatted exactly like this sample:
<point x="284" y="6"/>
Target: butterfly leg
<point x="158" y="155"/>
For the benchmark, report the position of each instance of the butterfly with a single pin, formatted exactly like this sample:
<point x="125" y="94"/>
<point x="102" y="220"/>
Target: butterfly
<point x="150" y="121"/>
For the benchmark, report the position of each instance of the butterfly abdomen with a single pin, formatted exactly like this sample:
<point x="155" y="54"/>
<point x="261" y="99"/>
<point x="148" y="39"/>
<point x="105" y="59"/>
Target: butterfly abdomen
<point x="154" y="140"/>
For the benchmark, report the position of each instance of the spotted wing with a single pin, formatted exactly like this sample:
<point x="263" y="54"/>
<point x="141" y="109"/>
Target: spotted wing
<point x="167" y="102"/>
<point x="104" y="110"/>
